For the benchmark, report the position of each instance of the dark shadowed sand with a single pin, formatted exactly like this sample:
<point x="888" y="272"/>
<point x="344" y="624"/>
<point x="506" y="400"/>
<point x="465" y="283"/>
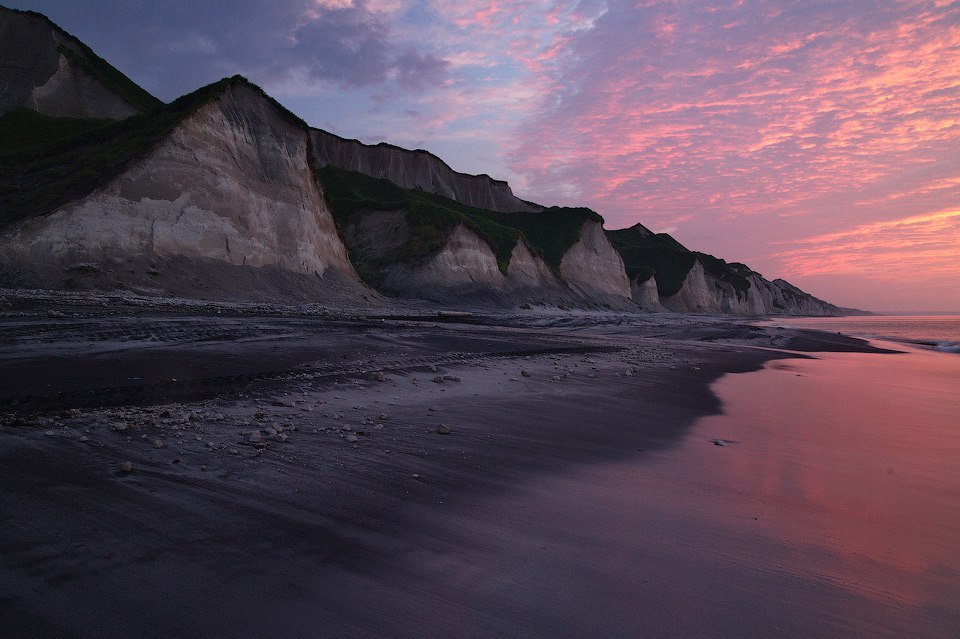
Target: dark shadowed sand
<point x="291" y="474"/>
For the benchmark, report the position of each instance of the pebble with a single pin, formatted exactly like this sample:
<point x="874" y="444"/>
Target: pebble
<point x="720" y="442"/>
<point x="381" y="377"/>
<point x="352" y="439"/>
<point x="526" y="373"/>
<point x="383" y="417"/>
<point x="126" y="467"/>
<point x="444" y="429"/>
<point x="157" y="443"/>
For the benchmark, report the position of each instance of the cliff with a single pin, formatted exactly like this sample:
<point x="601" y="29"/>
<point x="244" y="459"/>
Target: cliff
<point x="224" y="193"/>
<point x="228" y="181"/>
<point x="690" y="282"/>
<point x="415" y="169"/>
<point x="411" y="243"/>
<point x="703" y="292"/>
<point x="47" y="70"/>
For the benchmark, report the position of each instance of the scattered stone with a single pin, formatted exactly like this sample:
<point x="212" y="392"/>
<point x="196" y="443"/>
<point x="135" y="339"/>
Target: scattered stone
<point x="526" y="373"/>
<point x="255" y="437"/>
<point x="280" y="437"/>
<point x="443" y="429"/>
<point x="157" y="443"/>
<point x="433" y="369"/>
<point x="84" y="438"/>
<point x="720" y="442"/>
<point x="203" y="467"/>
<point x="126" y="467"/>
<point x="352" y="439"/>
<point x="416" y="476"/>
<point x="383" y="417"/>
<point x="438" y="379"/>
<point x="380" y="377"/>
<point x="452" y="378"/>
<point x="48" y="433"/>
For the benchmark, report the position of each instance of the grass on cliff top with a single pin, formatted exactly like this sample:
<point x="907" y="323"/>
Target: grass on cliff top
<point x="25" y="129"/>
<point x="53" y="161"/>
<point x="660" y="255"/>
<point x="431" y="218"/>
<point x="111" y="78"/>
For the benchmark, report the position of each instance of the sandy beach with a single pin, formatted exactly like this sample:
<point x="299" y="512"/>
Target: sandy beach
<point x="177" y="470"/>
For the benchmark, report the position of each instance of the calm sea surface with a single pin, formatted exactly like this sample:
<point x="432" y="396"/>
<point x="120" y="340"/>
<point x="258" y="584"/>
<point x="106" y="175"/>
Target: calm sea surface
<point x="941" y="332"/>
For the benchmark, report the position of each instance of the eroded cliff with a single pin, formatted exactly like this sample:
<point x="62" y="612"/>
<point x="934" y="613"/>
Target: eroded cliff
<point x="415" y="169"/>
<point x="49" y="71"/>
<point x="703" y="292"/>
<point x="231" y="183"/>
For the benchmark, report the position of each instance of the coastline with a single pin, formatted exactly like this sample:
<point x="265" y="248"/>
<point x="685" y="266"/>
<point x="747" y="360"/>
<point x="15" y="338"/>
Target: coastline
<point x="357" y="514"/>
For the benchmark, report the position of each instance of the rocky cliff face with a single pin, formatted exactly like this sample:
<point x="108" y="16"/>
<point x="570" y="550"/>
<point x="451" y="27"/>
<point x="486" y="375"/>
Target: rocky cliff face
<point x="645" y="296"/>
<point x="466" y="269"/>
<point x="593" y="268"/>
<point x="232" y="183"/>
<point x="703" y="293"/>
<point x="47" y="70"/>
<point x="415" y="169"/>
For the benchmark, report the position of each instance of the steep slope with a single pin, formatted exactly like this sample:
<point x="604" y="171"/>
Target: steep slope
<point x="415" y="169"/>
<point x="412" y="243"/>
<point x="691" y="282"/>
<point x="47" y="70"/>
<point x="220" y="177"/>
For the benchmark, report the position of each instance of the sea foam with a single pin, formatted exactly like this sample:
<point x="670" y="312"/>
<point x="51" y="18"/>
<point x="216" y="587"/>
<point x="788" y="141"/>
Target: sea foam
<point x="948" y="347"/>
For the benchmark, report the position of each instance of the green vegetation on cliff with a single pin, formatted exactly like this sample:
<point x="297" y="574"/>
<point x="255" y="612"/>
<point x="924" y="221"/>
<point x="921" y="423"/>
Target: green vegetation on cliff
<point x="25" y="129"/>
<point x="110" y="77"/>
<point x="53" y="161"/>
<point x="431" y="218"/>
<point x="647" y="254"/>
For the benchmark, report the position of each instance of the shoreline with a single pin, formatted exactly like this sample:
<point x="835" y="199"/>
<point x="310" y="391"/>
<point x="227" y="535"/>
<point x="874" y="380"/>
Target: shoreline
<point x="305" y="521"/>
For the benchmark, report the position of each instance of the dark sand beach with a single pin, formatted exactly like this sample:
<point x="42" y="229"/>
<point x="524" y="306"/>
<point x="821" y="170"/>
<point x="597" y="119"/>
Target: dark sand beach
<point x="180" y="470"/>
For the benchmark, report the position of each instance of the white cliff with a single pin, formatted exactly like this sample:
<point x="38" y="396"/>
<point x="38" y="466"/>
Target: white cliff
<point x="592" y="267"/>
<point x="645" y="295"/>
<point x="703" y="293"/>
<point x="231" y="183"/>
<point x="415" y="169"/>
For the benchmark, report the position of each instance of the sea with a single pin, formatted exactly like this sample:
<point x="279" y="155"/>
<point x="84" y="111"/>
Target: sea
<point x="939" y="332"/>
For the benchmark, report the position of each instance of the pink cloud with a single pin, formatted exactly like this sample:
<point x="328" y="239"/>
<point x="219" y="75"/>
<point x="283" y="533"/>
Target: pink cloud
<point x="725" y="123"/>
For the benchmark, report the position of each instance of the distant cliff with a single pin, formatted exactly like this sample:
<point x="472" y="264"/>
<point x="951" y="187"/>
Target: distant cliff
<point x="47" y="70"/>
<point x="691" y="282"/>
<point x="415" y="169"/>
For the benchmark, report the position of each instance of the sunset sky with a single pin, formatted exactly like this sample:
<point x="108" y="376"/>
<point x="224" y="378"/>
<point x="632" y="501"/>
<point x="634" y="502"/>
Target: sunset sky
<point x="815" y="140"/>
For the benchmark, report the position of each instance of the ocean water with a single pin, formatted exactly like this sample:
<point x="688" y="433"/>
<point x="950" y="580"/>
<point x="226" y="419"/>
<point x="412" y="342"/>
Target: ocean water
<point x="941" y="332"/>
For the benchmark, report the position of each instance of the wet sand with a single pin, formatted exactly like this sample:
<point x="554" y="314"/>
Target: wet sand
<point x="277" y="486"/>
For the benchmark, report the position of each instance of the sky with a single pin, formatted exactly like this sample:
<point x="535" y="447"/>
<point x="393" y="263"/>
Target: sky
<point x="814" y="140"/>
